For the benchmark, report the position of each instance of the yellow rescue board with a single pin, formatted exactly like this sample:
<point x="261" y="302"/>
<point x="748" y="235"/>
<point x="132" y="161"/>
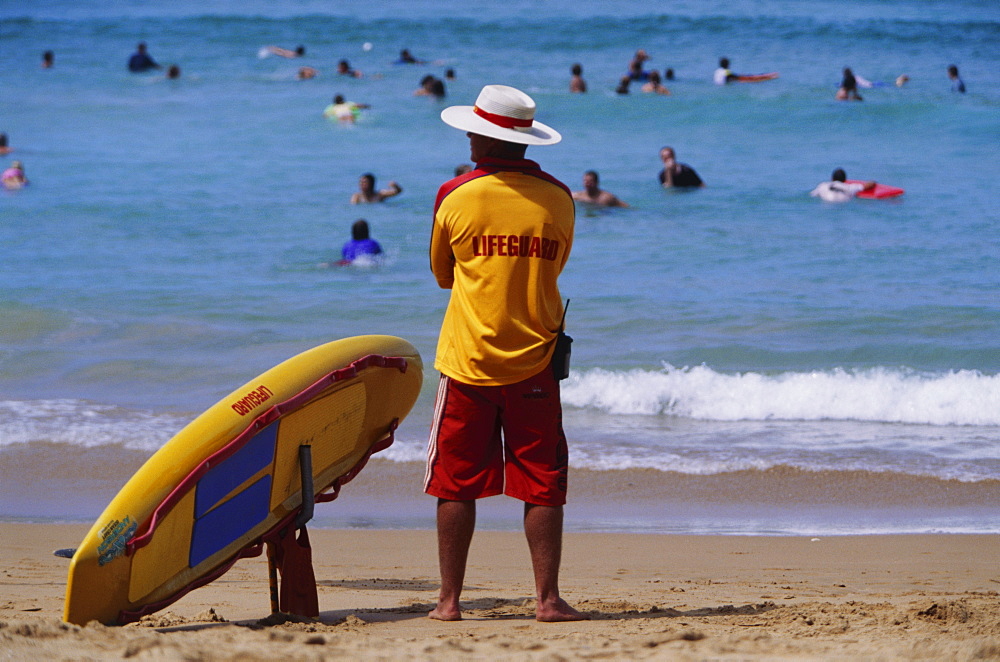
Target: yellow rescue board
<point x="233" y="475"/>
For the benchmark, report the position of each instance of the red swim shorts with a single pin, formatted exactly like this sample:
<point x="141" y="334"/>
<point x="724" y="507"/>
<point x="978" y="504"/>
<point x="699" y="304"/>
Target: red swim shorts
<point x="489" y="440"/>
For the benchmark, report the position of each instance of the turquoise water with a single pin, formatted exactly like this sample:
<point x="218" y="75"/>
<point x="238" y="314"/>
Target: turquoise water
<point x="169" y="247"/>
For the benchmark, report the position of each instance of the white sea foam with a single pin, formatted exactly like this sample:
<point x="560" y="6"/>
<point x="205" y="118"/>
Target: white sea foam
<point x="406" y="450"/>
<point x="86" y="424"/>
<point x="963" y="397"/>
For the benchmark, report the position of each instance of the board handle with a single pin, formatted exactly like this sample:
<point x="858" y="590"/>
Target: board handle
<point x="308" y="500"/>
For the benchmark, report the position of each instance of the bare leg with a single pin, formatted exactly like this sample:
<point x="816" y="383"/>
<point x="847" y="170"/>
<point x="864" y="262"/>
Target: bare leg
<point x="456" y="521"/>
<point x="543" y="529"/>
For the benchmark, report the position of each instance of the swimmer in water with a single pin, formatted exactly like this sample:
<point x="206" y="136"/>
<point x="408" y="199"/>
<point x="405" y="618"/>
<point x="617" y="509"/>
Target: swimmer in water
<point x="653" y="84"/>
<point x="344" y="69"/>
<point x="576" y="82"/>
<point x="361" y="244"/>
<point x="14" y="177"/>
<point x="676" y="174"/>
<point x="956" y="82"/>
<point x="367" y="193"/>
<point x="594" y="195"/>
<point x="405" y="57"/>
<point x="723" y="75"/>
<point x="343" y="111"/>
<point x="838" y="189"/>
<point x="848" y="90"/>
<point x="430" y="86"/>
<point x="635" y="70"/>
<point x="141" y="60"/>
<point x="284" y="52"/>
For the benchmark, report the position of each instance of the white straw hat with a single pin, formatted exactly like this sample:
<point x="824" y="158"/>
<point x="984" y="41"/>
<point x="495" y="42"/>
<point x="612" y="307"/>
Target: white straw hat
<point x="502" y="112"/>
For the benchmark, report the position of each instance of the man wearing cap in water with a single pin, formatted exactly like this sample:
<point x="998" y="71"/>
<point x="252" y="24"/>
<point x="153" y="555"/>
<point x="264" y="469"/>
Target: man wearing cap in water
<point x="501" y="236"/>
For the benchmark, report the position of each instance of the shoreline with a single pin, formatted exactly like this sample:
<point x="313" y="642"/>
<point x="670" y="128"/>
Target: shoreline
<point x="650" y="597"/>
<point x="779" y="501"/>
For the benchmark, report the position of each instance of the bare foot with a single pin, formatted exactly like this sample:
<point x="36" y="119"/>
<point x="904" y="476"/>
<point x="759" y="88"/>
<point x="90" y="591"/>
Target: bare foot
<point x="440" y="613"/>
<point x="558" y="611"/>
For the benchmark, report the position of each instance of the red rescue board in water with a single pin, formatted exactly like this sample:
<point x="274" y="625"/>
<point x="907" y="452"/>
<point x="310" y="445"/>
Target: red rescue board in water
<point x="756" y="78"/>
<point x="880" y="191"/>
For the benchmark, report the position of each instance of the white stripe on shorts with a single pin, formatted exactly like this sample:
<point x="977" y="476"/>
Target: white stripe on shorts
<point x="439" y="402"/>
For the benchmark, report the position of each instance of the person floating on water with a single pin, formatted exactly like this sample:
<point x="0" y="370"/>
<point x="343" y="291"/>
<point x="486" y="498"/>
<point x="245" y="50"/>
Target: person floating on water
<point x="723" y="74"/>
<point x="497" y="425"/>
<point x="367" y="193"/>
<point x="284" y="52"/>
<point x="361" y="243"/>
<point x="956" y="82"/>
<point x="848" y="87"/>
<point x="14" y="177"/>
<point x="593" y="194"/>
<point x="838" y="190"/>
<point x="141" y="60"/>
<point x="48" y="59"/>
<point x="174" y="72"/>
<point x="343" y="111"/>
<point x="677" y="175"/>
<point x="5" y="147"/>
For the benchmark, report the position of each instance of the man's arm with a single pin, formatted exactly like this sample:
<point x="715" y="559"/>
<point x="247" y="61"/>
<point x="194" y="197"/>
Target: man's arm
<point x="442" y="257"/>
<point x="609" y="199"/>
<point x="394" y="189"/>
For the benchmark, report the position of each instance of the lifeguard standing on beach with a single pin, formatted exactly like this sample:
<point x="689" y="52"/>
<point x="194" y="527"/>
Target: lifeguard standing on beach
<point x="501" y="236"/>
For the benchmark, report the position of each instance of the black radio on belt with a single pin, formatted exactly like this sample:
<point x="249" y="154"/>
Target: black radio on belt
<point x="564" y="347"/>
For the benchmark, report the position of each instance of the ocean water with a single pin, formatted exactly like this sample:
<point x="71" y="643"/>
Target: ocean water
<point x="747" y="359"/>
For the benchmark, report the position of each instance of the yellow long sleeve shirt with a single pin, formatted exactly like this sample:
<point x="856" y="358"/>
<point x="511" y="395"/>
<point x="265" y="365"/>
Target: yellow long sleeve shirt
<point x="501" y="236"/>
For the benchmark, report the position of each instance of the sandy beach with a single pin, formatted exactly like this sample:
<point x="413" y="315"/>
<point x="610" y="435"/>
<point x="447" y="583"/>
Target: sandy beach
<point x="649" y="597"/>
<point x="783" y="413"/>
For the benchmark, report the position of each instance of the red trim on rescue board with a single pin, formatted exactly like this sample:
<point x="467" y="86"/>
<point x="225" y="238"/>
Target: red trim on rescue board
<point x="145" y="532"/>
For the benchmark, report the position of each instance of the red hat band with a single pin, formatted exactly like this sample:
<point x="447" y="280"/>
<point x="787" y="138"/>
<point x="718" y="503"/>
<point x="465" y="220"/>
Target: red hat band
<point x="502" y="120"/>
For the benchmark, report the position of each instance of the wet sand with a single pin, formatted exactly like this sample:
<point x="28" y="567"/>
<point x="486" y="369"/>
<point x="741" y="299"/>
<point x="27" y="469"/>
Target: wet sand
<point x="387" y="495"/>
